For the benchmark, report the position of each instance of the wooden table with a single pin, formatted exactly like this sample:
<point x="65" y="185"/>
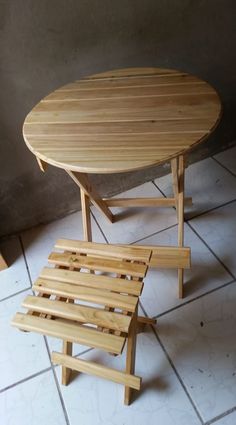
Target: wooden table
<point x="123" y="120"/>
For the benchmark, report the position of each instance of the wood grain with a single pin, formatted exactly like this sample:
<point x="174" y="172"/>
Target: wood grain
<point x="94" y="263"/>
<point x="70" y="332"/>
<point x="102" y="282"/>
<point x="83" y="293"/>
<point x="122" y="120"/>
<point x="78" y="313"/>
<point x="95" y="369"/>
<point x="132" y="253"/>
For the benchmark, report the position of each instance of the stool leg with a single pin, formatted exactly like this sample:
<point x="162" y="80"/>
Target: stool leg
<point x="130" y="355"/>
<point x="67" y="348"/>
<point x="65" y="376"/>
<point x="87" y="228"/>
<point x="177" y="167"/>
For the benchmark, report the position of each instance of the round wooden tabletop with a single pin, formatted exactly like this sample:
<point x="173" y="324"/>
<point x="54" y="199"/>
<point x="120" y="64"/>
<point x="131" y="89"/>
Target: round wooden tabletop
<point x="122" y="120"/>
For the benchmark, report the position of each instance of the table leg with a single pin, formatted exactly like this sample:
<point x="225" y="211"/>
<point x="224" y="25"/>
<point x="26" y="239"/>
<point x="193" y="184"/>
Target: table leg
<point x="81" y="179"/>
<point x="3" y="264"/>
<point x="86" y="217"/>
<point x="174" y="170"/>
<point x="177" y="167"/>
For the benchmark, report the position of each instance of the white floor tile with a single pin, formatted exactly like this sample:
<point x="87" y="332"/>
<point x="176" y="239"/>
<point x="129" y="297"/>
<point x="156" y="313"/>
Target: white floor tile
<point x="136" y="223"/>
<point x="39" y="241"/>
<point x="34" y="402"/>
<point x="160" y="291"/>
<point x="15" y="277"/>
<point x="201" y="340"/>
<point x="218" y="229"/>
<point x="90" y="400"/>
<point x="22" y="353"/>
<point x="229" y="419"/>
<point x="207" y="182"/>
<point x="228" y="159"/>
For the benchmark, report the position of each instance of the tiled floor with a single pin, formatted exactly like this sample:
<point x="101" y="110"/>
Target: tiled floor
<point x="188" y="361"/>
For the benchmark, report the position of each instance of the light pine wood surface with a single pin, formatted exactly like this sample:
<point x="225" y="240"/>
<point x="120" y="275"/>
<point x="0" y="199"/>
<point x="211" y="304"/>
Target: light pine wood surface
<point x="3" y="264"/>
<point x="62" y="307"/>
<point x="122" y="120"/>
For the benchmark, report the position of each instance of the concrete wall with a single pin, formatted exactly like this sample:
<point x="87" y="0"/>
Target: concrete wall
<point x="47" y="43"/>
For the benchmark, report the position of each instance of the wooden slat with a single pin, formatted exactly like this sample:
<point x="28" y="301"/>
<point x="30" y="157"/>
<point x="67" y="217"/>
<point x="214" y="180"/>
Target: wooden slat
<point x="169" y="257"/>
<point x="129" y="92"/>
<point x="92" y="248"/>
<point x="70" y="332"/>
<point x="128" y="72"/>
<point x="93" y="281"/>
<point x="144" y="202"/>
<point x="96" y="263"/>
<point x="78" y="313"/>
<point x="115" y="142"/>
<point x="97" y="296"/>
<point x="92" y="368"/>
<point x="137" y="81"/>
<point x="147" y="128"/>
<point x="126" y="109"/>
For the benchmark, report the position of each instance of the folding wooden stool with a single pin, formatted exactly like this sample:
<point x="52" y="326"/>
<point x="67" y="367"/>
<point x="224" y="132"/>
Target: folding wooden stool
<point x="108" y="280"/>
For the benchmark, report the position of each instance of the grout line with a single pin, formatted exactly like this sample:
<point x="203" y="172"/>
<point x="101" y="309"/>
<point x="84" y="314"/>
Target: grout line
<point x="157" y="187"/>
<point x="21" y="381"/>
<point x="26" y="263"/>
<point x="155" y="233"/>
<point x="173" y="367"/>
<point x="55" y="366"/>
<point x="203" y="212"/>
<point x="138" y="240"/>
<point x="210" y="210"/>
<point x="16" y="293"/>
<point x="95" y="219"/>
<point x="222" y="415"/>
<point x="177" y="375"/>
<point x="194" y="299"/>
<point x="83" y="352"/>
<point x="213" y="253"/>
<point x="213" y="420"/>
<point x="143" y="309"/>
<point x="223" y="166"/>
<point x="174" y="208"/>
<point x="57" y="384"/>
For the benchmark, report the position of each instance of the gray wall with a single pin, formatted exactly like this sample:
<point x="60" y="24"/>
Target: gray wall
<point x="46" y="43"/>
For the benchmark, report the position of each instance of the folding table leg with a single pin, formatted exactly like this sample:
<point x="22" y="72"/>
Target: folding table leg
<point x="177" y="167"/>
<point x="86" y="217"/>
<point x="130" y="355"/>
<point x="81" y="179"/>
<point x="3" y="264"/>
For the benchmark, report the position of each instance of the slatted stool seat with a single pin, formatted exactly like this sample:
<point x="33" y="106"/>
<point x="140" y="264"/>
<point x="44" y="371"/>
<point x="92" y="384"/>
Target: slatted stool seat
<point x="89" y="297"/>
